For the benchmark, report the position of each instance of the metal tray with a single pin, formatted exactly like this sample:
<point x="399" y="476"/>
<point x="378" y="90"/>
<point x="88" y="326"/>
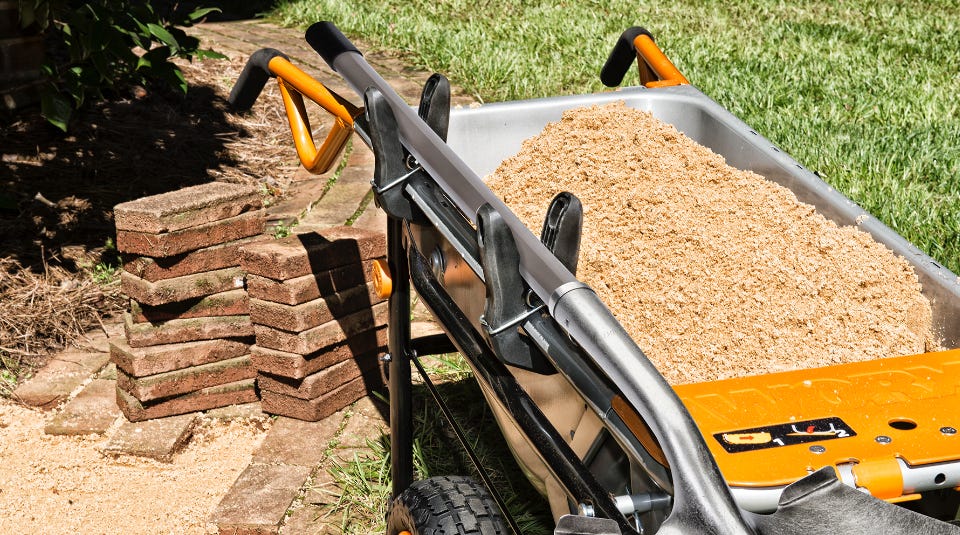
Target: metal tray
<point x="484" y="136"/>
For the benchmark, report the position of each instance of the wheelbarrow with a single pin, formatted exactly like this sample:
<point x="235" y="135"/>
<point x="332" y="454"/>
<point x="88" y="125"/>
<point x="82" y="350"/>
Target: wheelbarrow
<point x="611" y="444"/>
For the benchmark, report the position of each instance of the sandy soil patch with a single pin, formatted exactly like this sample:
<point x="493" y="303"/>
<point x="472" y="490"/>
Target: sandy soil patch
<point x="56" y="484"/>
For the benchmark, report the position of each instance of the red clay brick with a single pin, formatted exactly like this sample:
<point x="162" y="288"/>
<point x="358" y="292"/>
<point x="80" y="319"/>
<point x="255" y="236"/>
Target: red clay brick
<point x="297" y="366"/>
<point x="183" y="288"/>
<point x="59" y="378"/>
<point x="144" y="361"/>
<point x="259" y="499"/>
<point x="309" y="287"/>
<point x="297" y="442"/>
<point x="305" y="254"/>
<point x="201" y="400"/>
<point x="157" y="439"/>
<point x="188" y="330"/>
<point x="190" y="239"/>
<point x="91" y="412"/>
<point x="329" y="333"/>
<point x="312" y="410"/>
<point x="183" y="381"/>
<point x="320" y="383"/>
<point x="230" y="303"/>
<point x="187" y="207"/>
<point x="210" y="258"/>
<point x="313" y="313"/>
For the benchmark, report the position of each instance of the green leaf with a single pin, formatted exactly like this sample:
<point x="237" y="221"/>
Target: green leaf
<point x="164" y="36"/>
<point x="27" y="14"/>
<point x="175" y="77"/>
<point x="170" y="73"/>
<point x="102" y="66"/>
<point x="203" y="53"/>
<point x="55" y="109"/>
<point x="202" y="12"/>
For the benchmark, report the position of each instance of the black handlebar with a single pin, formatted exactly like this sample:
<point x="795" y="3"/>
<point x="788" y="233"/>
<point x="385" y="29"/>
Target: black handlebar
<point x="621" y="57"/>
<point x="328" y="41"/>
<point x="253" y="78"/>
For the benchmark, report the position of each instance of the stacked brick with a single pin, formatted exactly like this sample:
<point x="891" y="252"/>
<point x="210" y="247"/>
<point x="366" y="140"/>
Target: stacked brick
<point x="319" y="323"/>
<point x="188" y="331"/>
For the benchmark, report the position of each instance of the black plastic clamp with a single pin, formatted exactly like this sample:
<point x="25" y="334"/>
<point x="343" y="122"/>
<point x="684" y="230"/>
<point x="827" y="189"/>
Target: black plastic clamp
<point x="506" y="308"/>
<point x="562" y="228"/>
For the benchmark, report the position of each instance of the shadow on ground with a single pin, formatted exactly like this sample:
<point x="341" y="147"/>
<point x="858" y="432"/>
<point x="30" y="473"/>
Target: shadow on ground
<point x="60" y="189"/>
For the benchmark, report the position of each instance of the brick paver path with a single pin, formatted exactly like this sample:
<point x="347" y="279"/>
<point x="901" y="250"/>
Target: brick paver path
<point x="286" y="487"/>
<point x="345" y="196"/>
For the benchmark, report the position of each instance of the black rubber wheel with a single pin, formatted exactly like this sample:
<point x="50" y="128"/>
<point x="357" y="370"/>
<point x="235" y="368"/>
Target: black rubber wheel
<point x="445" y="505"/>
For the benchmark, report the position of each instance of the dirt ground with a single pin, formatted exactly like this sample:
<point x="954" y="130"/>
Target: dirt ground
<point x="64" y="484"/>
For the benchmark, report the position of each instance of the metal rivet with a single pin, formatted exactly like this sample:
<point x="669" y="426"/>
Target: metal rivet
<point x="586" y="510"/>
<point x="883" y="439"/>
<point x="818" y="449"/>
<point x="948" y="430"/>
<point x="386" y="357"/>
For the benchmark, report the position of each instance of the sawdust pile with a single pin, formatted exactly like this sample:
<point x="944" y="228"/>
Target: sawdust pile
<point x="714" y="272"/>
<point x="63" y="484"/>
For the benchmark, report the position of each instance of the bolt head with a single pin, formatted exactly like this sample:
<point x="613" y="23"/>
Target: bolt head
<point x="818" y="449"/>
<point x="948" y="430"/>
<point x="883" y="439"/>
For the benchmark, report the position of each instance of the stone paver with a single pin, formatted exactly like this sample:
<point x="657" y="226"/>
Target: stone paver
<point x="93" y="411"/>
<point x="229" y="303"/>
<point x="201" y="400"/>
<point x="210" y="258"/>
<point x="313" y="313"/>
<point x="183" y="381"/>
<point x="143" y="361"/>
<point x="187" y="207"/>
<point x="305" y="254"/>
<point x="157" y="439"/>
<point x="99" y="340"/>
<point x="325" y="380"/>
<point x="298" y="442"/>
<point x="192" y="238"/>
<point x="179" y="289"/>
<point x="62" y="375"/>
<point x="321" y="336"/>
<point x="372" y="219"/>
<point x="309" y="287"/>
<point x="258" y="500"/>
<point x="297" y="199"/>
<point x="186" y="330"/>
<point x="367" y="420"/>
<point x="234" y="412"/>
<point x="298" y="366"/>
<point x="319" y="408"/>
<point x="343" y="199"/>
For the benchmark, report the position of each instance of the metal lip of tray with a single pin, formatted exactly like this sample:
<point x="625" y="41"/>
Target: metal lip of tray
<point x="485" y="135"/>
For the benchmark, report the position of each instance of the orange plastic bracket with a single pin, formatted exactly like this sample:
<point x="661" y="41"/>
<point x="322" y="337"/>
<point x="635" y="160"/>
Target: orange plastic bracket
<point x="296" y="84"/>
<point x="382" y="281"/>
<point x="881" y="476"/>
<point x="656" y="70"/>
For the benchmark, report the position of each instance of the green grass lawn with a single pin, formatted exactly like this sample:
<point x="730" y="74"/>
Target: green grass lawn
<point x="865" y="93"/>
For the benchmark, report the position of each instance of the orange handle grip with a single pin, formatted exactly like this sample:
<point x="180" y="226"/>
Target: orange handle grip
<point x="656" y="70"/>
<point x="296" y="84"/>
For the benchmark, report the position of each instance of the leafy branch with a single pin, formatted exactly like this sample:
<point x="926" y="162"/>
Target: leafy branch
<point x="106" y="46"/>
